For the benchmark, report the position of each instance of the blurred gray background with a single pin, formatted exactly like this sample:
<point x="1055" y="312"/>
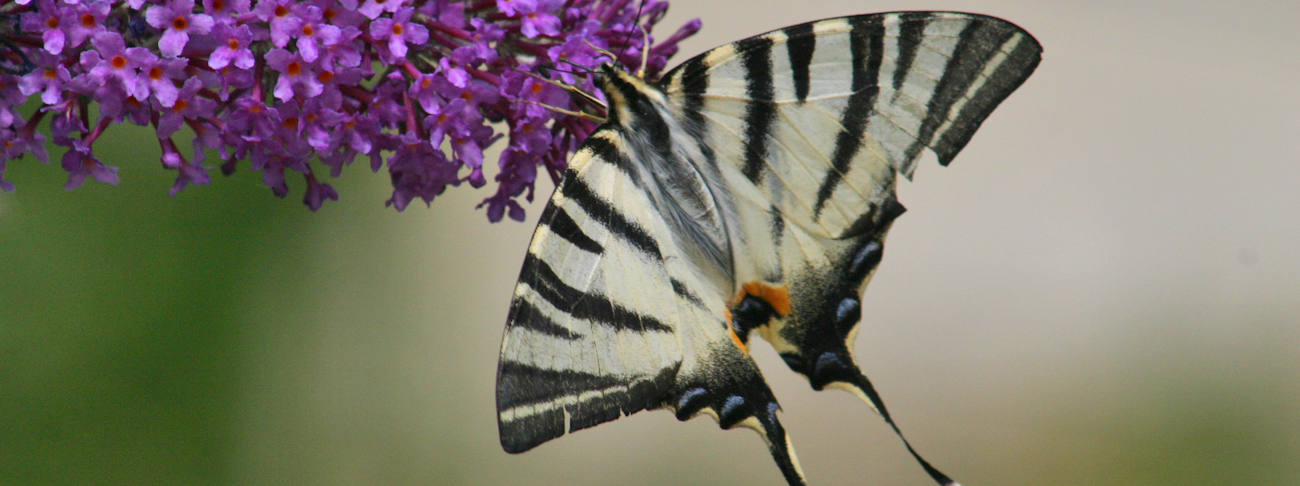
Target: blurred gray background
<point x="1102" y="289"/>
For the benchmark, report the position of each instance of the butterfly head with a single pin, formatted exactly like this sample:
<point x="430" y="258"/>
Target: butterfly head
<point x="629" y="97"/>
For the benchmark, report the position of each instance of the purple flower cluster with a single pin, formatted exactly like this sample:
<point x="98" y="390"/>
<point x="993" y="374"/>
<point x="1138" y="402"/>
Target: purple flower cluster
<point x="420" y="88"/>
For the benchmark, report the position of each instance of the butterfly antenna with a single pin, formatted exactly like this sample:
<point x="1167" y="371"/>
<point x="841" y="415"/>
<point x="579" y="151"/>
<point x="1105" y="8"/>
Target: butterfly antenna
<point x="861" y="387"/>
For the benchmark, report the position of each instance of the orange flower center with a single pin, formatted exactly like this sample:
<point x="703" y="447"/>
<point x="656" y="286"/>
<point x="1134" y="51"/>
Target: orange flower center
<point x="325" y="76"/>
<point x="308" y="30"/>
<point x="218" y="5"/>
<point x="88" y="20"/>
<point x="291" y="122"/>
<point x="118" y="62"/>
<point x="180" y="23"/>
<point x="155" y="73"/>
<point x="294" y="68"/>
<point x="180" y="106"/>
<point x="233" y="43"/>
<point x="281" y="11"/>
<point x="52" y="22"/>
<point x="51" y="74"/>
<point x="397" y="28"/>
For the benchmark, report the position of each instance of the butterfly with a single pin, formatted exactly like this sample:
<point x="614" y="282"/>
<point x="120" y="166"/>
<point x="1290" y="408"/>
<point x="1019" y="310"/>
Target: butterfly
<point x="747" y="191"/>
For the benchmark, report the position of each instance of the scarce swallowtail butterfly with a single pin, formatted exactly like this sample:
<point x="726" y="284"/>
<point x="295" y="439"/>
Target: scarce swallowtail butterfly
<point x="748" y="190"/>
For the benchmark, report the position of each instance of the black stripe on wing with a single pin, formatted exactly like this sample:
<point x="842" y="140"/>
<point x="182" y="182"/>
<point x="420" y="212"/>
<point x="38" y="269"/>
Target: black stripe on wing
<point x="561" y="224"/>
<point x="605" y="150"/>
<point x="522" y="384"/>
<point x="910" y="30"/>
<point x="800" y="44"/>
<point x="601" y="211"/>
<point x="540" y="277"/>
<point x="756" y="55"/>
<point x="524" y="315"/>
<point x="680" y="289"/>
<point x="1019" y="63"/>
<point x="538" y="399"/>
<point x="695" y="79"/>
<point x="866" y="41"/>
<point x="977" y="43"/>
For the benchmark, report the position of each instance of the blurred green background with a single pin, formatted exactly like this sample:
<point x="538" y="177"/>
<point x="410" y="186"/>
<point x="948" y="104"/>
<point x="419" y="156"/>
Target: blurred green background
<point x="1101" y="290"/>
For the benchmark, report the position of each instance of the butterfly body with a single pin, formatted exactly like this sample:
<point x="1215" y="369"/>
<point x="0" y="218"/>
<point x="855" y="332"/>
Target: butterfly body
<point x="748" y="191"/>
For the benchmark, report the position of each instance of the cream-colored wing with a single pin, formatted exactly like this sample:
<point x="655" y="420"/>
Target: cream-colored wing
<point x="610" y="318"/>
<point x="818" y="118"/>
<point x="810" y="126"/>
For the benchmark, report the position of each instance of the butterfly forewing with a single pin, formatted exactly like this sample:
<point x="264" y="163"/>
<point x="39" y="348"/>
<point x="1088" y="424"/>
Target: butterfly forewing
<point x="749" y="190"/>
<point x="585" y="343"/>
<point x="815" y="114"/>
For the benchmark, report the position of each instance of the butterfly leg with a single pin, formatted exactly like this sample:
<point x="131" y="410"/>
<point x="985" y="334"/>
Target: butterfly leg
<point x="731" y="390"/>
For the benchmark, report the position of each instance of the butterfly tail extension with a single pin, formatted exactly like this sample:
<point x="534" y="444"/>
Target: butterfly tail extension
<point x="778" y="443"/>
<point x="732" y="391"/>
<point x="861" y="386"/>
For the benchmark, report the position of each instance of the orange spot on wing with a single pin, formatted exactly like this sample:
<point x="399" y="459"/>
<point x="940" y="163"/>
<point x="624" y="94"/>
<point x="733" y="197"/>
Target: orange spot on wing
<point x="777" y="297"/>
